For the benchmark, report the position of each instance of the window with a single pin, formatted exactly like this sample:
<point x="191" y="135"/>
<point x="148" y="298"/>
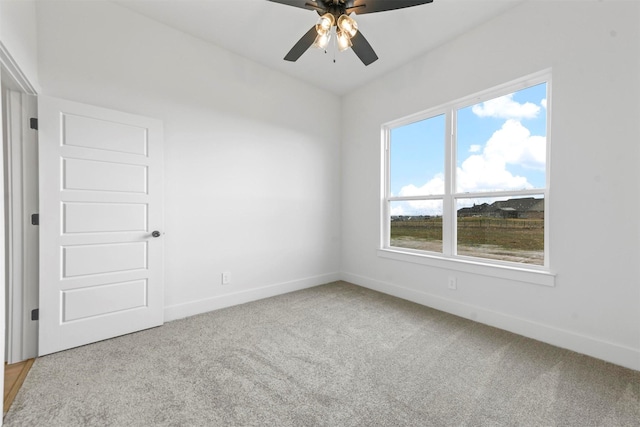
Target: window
<point x="469" y="180"/>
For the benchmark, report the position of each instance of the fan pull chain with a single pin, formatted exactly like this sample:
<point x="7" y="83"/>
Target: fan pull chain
<point x="335" y="47"/>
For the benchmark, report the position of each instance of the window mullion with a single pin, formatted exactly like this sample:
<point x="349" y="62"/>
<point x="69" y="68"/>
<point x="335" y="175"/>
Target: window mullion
<point x="448" y="224"/>
<point x="386" y="189"/>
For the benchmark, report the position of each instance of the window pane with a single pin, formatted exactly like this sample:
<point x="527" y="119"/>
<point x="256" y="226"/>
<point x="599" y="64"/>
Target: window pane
<point x="506" y="229"/>
<point x="417" y="225"/>
<point x="501" y="143"/>
<point x="417" y="158"/>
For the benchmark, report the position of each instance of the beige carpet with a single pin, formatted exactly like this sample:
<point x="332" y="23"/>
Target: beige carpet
<point x="334" y="355"/>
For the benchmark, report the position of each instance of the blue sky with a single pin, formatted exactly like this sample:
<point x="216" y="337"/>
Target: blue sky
<point x="417" y="153"/>
<point x="500" y="146"/>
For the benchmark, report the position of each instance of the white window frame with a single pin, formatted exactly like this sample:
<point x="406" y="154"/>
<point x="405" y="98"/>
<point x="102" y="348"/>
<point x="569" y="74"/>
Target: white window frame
<point x="448" y="259"/>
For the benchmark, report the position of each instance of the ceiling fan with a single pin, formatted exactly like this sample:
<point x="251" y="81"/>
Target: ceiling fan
<point x="335" y="14"/>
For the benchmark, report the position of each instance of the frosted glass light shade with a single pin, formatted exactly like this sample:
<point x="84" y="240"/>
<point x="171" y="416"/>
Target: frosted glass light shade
<point x="325" y="23"/>
<point x="348" y="25"/>
<point x="322" y="40"/>
<point x="344" y="41"/>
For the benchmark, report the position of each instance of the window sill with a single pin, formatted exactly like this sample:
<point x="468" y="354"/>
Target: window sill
<point x="516" y="273"/>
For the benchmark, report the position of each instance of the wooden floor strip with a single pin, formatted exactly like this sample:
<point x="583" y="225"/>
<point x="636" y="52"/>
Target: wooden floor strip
<point x="14" y="376"/>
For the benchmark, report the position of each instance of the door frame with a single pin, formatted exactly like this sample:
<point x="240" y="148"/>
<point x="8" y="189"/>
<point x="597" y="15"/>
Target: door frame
<point x="21" y="163"/>
<point x="12" y="311"/>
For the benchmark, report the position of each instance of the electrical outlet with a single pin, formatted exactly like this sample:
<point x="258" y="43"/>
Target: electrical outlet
<point x="452" y="283"/>
<point x="226" y="278"/>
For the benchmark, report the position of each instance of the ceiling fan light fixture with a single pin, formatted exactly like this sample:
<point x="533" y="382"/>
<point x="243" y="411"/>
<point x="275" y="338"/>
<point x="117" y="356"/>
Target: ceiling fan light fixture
<point x="325" y="23"/>
<point x="322" y="40"/>
<point x="344" y="41"/>
<point x="348" y="25"/>
<point x="335" y="13"/>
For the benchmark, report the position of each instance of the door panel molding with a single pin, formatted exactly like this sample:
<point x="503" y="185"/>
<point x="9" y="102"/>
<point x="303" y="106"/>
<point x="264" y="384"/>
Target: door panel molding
<point x="100" y="198"/>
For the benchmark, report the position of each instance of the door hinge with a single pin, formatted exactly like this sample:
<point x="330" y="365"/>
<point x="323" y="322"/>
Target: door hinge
<point x="33" y="123"/>
<point x="35" y="219"/>
<point x="35" y="314"/>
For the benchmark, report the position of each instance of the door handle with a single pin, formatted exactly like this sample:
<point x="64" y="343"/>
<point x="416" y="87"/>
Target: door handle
<point x="155" y="233"/>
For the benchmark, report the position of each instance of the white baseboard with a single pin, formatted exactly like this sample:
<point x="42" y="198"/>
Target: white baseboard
<point x="610" y="352"/>
<point x="180" y="311"/>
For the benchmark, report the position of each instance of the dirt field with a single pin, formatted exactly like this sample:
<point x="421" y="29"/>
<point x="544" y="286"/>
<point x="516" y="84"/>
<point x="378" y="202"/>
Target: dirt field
<point x="514" y="240"/>
<point x="481" y="251"/>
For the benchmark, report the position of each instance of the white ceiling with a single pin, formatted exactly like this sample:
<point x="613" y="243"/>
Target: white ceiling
<point x="264" y="32"/>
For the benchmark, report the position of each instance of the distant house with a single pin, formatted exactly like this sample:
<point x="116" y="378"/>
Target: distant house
<point x="476" y="210"/>
<point x="524" y="208"/>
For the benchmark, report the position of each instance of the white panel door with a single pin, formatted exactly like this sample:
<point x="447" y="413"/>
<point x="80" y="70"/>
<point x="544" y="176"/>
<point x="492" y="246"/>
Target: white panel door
<point x="100" y="207"/>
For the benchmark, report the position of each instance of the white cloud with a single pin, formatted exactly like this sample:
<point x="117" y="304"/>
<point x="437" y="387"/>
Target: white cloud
<point x="434" y="186"/>
<point x="397" y="210"/>
<point x="417" y="207"/>
<point x="544" y="103"/>
<point x="511" y="144"/>
<point x="505" y="107"/>
<point x="515" y="144"/>
<point x="420" y="207"/>
<point x="475" y="148"/>
<point x="479" y="173"/>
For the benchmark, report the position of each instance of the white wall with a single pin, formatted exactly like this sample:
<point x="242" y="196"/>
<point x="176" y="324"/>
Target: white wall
<point x="18" y="35"/>
<point x="252" y="182"/>
<point x="594" y="50"/>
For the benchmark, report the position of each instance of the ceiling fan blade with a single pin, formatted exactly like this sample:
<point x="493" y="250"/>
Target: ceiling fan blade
<point x="303" y="4"/>
<point x="370" y="6"/>
<point x="303" y="44"/>
<point x="363" y="49"/>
